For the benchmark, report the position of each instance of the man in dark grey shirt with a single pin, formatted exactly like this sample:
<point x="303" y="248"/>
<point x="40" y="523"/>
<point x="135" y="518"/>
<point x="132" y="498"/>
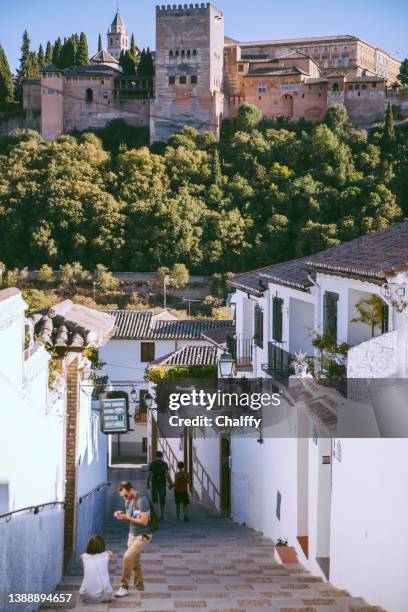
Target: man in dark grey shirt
<point x="138" y="515"/>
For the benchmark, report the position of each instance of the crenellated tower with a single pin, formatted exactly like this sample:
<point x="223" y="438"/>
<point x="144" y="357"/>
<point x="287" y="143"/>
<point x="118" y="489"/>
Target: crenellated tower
<point x="189" y="69"/>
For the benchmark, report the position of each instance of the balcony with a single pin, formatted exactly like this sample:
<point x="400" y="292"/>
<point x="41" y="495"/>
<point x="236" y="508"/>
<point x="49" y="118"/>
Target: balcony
<point x="241" y="352"/>
<point x="279" y="363"/>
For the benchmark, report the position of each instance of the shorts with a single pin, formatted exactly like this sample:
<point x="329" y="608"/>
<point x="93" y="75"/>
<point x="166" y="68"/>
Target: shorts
<point x="181" y="498"/>
<point x="159" y="493"/>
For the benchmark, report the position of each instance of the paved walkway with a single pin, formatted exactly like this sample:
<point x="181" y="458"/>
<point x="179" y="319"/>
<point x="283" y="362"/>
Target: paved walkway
<point x="213" y="564"/>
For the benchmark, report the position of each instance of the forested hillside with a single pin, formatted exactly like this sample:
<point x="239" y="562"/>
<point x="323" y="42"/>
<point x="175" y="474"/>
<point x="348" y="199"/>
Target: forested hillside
<point x="264" y="193"/>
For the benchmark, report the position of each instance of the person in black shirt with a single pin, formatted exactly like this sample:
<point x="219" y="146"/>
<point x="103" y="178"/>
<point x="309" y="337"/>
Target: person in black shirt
<point x="157" y="479"/>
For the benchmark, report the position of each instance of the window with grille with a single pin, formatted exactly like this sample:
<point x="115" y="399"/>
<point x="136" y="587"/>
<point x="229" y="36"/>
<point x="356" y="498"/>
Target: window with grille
<point x="277" y="310"/>
<point x="258" y="326"/>
<point x="330" y="301"/>
<point x="147" y="352"/>
<point x="172" y="80"/>
<point x="183" y="80"/>
<point x="194" y="79"/>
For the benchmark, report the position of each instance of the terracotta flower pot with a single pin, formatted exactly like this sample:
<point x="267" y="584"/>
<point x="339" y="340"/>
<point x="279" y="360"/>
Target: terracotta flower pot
<point x="286" y="554"/>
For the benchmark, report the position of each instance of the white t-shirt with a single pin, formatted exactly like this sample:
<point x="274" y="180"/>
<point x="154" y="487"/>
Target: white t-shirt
<point x="96" y="584"/>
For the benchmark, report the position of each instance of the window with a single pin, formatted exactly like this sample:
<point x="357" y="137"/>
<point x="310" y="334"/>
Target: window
<point x="111" y="41"/>
<point x="194" y="52"/>
<point x="277" y="308"/>
<point x="194" y="79"/>
<point x="147" y="352"/>
<point x="345" y="60"/>
<point x="241" y="68"/>
<point x="89" y="96"/>
<point x="177" y="53"/>
<point x="262" y="88"/>
<point x="183" y="53"/>
<point x="350" y="87"/>
<point x="258" y="326"/>
<point x="374" y="84"/>
<point x="171" y="53"/>
<point x="183" y="80"/>
<point x="335" y="87"/>
<point x="335" y="60"/>
<point x="364" y="86"/>
<point x="357" y="87"/>
<point x="188" y="53"/>
<point x="330" y="315"/>
<point x="172" y="80"/>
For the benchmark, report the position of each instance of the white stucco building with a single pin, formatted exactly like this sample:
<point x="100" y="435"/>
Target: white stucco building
<point x="326" y="471"/>
<point x="143" y="338"/>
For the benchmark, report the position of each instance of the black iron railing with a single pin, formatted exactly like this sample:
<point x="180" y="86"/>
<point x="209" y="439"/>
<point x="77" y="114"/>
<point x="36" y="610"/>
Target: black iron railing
<point x="241" y="352"/>
<point x="279" y="364"/>
<point x="7" y="516"/>
<point x="94" y="491"/>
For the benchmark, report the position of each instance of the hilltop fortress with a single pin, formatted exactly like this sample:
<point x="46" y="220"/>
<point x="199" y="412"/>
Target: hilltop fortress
<point x="202" y="77"/>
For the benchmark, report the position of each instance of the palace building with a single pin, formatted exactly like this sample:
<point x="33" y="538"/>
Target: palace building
<point x="202" y="77"/>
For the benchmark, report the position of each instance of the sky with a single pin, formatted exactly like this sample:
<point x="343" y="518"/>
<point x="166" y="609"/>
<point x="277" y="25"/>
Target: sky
<point x="383" y="24"/>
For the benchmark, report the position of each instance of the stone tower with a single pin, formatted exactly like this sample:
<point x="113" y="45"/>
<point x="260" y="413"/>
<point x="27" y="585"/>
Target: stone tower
<point x="189" y="69"/>
<point x="118" y="38"/>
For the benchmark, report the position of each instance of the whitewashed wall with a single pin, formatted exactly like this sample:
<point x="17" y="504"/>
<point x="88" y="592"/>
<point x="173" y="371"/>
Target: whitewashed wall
<point x="369" y="536"/>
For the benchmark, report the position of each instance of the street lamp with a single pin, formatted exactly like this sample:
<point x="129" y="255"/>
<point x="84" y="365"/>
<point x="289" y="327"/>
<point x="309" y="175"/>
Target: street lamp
<point x="148" y="400"/>
<point x="226" y="365"/>
<point x="133" y="395"/>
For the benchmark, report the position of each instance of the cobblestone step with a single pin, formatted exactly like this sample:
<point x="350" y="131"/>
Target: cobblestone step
<point x="211" y="564"/>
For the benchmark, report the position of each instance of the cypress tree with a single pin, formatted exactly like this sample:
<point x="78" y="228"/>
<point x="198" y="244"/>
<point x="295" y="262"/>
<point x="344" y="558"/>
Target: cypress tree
<point x="133" y="50"/>
<point x="99" y="43"/>
<point x="6" y="81"/>
<point x="141" y="67"/>
<point x="388" y="138"/>
<point x="48" y="54"/>
<point x="33" y="68"/>
<point x="82" y="55"/>
<point x="216" y="171"/>
<point x="22" y="71"/>
<point x="67" y="56"/>
<point x="41" y="57"/>
<point x="73" y="38"/>
<point x="149" y="63"/>
<point x="56" y="52"/>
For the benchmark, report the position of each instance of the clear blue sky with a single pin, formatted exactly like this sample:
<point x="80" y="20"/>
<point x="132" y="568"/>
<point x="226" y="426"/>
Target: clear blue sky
<point x="380" y="22"/>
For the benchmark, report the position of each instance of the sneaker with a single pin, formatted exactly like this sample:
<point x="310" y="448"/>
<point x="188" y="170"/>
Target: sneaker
<point x="122" y="592"/>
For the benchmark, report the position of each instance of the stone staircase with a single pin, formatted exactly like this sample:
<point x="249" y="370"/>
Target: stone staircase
<point x="211" y="563"/>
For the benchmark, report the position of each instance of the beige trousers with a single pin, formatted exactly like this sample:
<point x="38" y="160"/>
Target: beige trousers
<point x="131" y="560"/>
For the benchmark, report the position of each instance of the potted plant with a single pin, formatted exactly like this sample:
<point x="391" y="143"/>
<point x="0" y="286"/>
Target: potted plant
<point x="285" y="553"/>
<point x="300" y="364"/>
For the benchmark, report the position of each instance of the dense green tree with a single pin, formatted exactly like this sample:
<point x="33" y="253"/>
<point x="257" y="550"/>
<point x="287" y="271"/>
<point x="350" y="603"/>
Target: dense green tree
<point x="6" y="81"/>
<point x="22" y="72"/>
<point x="41" y="57"/>
<point x="68" y="54"/>
<point x="56" y="52"/>
<point x="127" y="63"/>
<point x="403" y="73"/>
<point x="82" y="54"/>
<point x="133" y="50"/>
<point x="33" y="69"/>
<point x="48" y="54"/>
<point x="249" y="116"/>
<point x="145" y="66"/>
<point x="388" y="136"/>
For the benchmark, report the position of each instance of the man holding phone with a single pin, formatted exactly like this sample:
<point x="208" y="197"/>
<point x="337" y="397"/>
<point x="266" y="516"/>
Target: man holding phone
<point x="138" y="515"/>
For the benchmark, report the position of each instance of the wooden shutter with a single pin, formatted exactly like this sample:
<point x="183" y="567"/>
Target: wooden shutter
<point x="258" y="326"/>
<point x="330" y="314"/>
<point x="277" y="319"/>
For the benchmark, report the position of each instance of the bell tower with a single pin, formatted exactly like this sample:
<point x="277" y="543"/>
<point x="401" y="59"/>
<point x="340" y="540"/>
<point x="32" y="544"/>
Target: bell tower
<point x="118" y="38"/>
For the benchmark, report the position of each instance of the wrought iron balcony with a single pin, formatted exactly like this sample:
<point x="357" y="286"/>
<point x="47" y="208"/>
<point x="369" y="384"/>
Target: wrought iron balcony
<point x="279" y="364"/>
<point x="241" y="352"/>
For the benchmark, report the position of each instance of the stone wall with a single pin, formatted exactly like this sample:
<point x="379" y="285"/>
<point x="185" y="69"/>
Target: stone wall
<point x="91" y="518"/>
<point x="21" y="123"/>
<point x="31" y="555"/>
<point x="376" y="358"/>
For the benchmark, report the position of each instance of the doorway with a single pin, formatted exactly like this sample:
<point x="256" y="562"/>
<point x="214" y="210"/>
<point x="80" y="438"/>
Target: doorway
<point x="225" y="475"/>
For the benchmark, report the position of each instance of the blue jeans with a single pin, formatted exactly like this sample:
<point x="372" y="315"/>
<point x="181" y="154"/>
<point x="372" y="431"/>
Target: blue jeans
<point x="159" y="493"/>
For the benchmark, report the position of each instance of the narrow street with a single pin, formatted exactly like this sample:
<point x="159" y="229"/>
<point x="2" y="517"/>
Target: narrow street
<point x="209" y="563"/>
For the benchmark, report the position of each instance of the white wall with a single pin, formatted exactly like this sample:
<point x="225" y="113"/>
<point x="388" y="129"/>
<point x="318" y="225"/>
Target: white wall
<point x="369" y="539"/>
<point x="32" y="428"/>
<point x="301" y="324"/>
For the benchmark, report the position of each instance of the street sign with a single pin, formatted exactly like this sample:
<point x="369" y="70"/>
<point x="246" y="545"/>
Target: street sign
<point x="114" y="413"/>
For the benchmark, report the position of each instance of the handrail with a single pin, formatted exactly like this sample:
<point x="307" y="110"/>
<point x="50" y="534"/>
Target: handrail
<point x="31" y="509"/>
<point x="204" y="474"/>
<point x="168" y="451"/>
<point x="94" y="491"/>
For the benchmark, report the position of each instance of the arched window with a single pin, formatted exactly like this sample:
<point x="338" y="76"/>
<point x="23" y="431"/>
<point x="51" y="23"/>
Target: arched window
<point x="111" y="41"/>
<point x="335" y="87"/>
<point x="89" y="96"/>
